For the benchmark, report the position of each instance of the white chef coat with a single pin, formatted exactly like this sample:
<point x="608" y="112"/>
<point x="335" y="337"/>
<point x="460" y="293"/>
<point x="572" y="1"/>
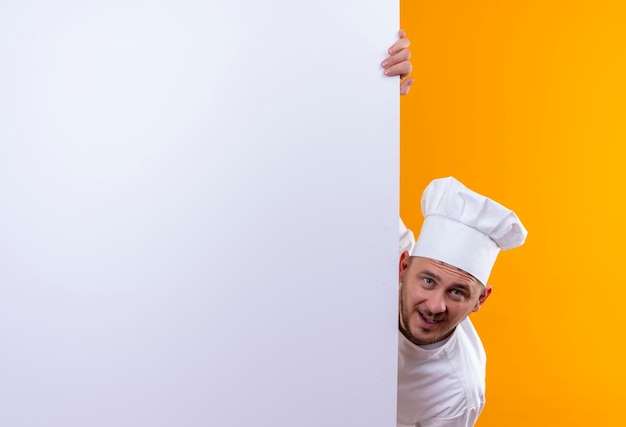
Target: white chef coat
<point x="443" y="386"/>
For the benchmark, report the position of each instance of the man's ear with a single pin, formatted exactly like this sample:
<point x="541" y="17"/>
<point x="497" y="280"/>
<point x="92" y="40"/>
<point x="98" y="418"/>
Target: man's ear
<point x="482" y="298"/>
<point x="404" y="265"/>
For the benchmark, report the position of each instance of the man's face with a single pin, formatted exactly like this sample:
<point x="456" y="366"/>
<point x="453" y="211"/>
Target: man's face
<point x="434" y="298"/>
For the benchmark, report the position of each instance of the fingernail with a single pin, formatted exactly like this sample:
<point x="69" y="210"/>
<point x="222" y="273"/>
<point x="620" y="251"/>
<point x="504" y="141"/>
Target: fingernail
<point x="384" y="63"/>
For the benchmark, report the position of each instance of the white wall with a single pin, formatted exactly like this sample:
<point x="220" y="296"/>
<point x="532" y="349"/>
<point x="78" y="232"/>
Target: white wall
<point x="198" y="213"/>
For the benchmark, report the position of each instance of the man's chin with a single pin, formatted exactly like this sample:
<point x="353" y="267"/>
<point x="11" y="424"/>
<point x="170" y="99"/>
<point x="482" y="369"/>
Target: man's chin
<point x="420" y="336"/>
<point x="425" y="340"/>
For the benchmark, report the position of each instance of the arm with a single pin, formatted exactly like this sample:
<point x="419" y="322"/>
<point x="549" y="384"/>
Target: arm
<point x="466" y="419"/>
<point x="398" y="63"/>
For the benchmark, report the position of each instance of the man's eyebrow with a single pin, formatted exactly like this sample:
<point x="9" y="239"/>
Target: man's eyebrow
<point x="430" y="274"/>
<point x="436" y="277"/>
<point x="463" y="286"/>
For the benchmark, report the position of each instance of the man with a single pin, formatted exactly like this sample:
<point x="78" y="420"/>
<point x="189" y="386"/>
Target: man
<point x="441" y="360"/>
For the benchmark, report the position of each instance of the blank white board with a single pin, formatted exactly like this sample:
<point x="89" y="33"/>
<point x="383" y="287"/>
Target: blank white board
<point x="198" y="212"/>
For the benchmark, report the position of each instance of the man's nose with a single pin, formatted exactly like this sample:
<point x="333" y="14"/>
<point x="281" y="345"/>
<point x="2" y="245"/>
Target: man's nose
<point x="436" y="303"/>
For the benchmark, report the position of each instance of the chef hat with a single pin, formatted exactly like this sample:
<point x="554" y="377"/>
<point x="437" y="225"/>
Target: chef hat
<point x="464" y="229"/>
<point x="407" y="240"/>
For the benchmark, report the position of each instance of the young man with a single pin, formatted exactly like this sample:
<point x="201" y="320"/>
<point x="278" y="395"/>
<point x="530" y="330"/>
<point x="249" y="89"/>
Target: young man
<point x="441" y="360"/>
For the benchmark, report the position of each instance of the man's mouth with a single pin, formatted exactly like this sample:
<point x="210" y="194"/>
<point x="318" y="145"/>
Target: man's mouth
<point x="430" y="320"/>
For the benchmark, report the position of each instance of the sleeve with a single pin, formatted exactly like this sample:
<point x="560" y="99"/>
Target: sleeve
<point x="466" y="419"/>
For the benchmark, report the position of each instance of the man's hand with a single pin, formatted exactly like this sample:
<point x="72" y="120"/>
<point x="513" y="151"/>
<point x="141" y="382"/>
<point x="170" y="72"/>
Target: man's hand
<point x="398" y="63"/>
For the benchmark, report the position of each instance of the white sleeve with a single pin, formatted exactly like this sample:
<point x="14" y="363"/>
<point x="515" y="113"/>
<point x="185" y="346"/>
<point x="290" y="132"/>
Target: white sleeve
<point x="466" y="419"/>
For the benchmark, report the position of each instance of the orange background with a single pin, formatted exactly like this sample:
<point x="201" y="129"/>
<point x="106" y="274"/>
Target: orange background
<point x="525" y="101"/>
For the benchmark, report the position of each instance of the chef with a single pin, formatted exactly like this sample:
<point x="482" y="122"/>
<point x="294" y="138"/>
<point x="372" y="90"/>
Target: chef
<point x="441" y="360"/>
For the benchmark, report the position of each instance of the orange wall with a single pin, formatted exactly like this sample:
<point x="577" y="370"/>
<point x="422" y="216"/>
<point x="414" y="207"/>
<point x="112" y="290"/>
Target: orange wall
<point x="525" y="101"/>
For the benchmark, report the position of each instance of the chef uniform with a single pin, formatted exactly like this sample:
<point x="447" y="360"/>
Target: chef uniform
<point x="443" y="384"/>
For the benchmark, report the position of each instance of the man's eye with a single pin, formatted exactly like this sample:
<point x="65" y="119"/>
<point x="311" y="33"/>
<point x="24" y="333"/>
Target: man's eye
<point x="457" y="293"/>
<point x="428" y="280"/>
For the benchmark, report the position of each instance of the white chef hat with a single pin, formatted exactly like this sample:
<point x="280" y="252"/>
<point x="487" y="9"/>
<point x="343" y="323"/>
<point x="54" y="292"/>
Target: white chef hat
<point x="465" y="229"/>
<point x="407" y="240"/>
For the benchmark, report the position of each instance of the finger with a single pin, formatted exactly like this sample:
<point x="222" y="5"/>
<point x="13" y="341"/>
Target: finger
<point x="399" y="57"/>
<point x="405" y="86"/>
<point x="401" y="34"/>
<point x="402" y="69"/>
<point x="400" y="44"/>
